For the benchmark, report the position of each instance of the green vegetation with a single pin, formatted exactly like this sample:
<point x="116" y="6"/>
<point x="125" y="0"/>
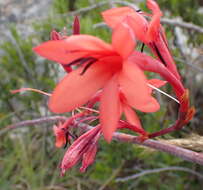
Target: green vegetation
<point x="28" y="157"/>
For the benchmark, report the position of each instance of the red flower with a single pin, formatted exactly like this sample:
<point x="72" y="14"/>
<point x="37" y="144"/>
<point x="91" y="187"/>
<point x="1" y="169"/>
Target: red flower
<point x="102" y="66"/>
<point x="151" y="33"/>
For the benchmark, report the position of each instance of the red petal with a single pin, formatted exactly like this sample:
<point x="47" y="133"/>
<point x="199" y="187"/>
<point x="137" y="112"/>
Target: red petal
<point x="156" y="83"/>
<point x="123" y="34"/>
<point x="154" y="25"/>
<point x="114" y="16"/>
<point x="127" y="15"/>
<point x="139" y="25"/>
<point x="148" y="63"/>
<point x="86" y="43"/>
<point x="131" y="116"/>
<point x="153" y="6"/>
<point x="75" y="89"/>
<point x="57" y="51"/>
<point x="109" y="108"/>
<point x="154" y="28"/>
<point x="134" y="86"/>
<point x="74" y="47"/>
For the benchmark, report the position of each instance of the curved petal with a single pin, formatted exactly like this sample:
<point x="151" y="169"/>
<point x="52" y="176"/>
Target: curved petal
<point x="148" y="63"/>
<point x="114" y="16"/>
<point x="156" y="83"/>
<point x="76" y="89"/>
<point x="134" y="86"/>
<point x="153" y="31"/>
<point x="84" y="42"/>
<point x="127" y="15"/>
<point x="73" y="47"/>
<point x="131" y="116"/>
<point x="153" y="6"/>
<point x="154" y="25"/>
<point x="57" y="51"/>
<point x="139" y="25"/>
<point x="110" y="108"/>
<point x="123" y="34"/>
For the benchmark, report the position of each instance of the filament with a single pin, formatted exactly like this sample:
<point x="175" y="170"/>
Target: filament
<point x="162" y="92"/>
<point x="30" y="89"/>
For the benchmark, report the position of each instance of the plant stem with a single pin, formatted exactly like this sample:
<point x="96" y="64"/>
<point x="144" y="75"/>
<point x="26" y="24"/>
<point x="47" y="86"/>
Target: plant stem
<point x="183" y="153"/>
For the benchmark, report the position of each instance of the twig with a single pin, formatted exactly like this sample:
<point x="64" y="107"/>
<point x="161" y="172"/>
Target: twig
<point x="100" y="4"/>
<point x="185" y="154"/>
<point x="195" y="67"/>
<point x="172" y="168"/>
<point x="111" y="3"/>
<point x="182" y="24"/>
<point x="26" y="123"/>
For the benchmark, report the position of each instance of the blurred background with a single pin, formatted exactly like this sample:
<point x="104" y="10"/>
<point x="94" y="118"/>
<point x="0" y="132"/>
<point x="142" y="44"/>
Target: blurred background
<point x="28" y="157"/>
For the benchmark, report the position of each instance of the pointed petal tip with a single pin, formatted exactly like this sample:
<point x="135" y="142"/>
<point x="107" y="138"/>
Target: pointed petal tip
<point x="108" y="137"/>
<point x="153" y="106"/>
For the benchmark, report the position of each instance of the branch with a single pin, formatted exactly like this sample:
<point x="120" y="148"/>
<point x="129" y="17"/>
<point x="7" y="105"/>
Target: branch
<point x="182" y="24"/>
<point x="172" y="168"/>
<point x="100" y="4"/>
<point x="185" y="154"/>
<point x="26" y="123"/>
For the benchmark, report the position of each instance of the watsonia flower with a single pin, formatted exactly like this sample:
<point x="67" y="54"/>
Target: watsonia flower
<point x="150" y="33"/>
<point x="101" y="65"/>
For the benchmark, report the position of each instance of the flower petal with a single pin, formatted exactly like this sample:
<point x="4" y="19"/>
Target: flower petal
<point x="153" y="6"/>
<point x="154" y="26"/>
<point x="139" y="25"/>
<point x="110" y="108"/>
<point x="114" y="16"/>
<point x="123" y="34"/>
<point x="148" y="63"/>
<point x="73" y="47"/>
<point x="84" y="42"/>
<point x="57" y="51"/>
<point x="76" y="89"/>
<point x="127" y="15"/>
<point x="134" y="86"/>
<point x="131" y="116"/>
<point x="156" y="83"/>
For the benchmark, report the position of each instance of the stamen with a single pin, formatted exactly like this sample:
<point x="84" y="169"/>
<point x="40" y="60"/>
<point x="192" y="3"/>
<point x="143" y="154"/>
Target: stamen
<point x="81" y="61"/>
<point x="162" y="92"/>
<point x="67" y="140"/>
<point x="142" y="48"/>
<point x="87" y="66"/>
<point x="30" y="89"/>
<point x="89" y="109"/>
<point x="159" y="55"/>
<point x="138" y="10"/>
<point x="74" y="62"/>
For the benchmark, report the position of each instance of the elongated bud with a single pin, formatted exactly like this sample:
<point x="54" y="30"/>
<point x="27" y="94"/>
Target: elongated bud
<point x="81" y="149"/>
<point x="55" y="35"/>
<point x="76" y="26"/>
<point x="60" y="133"/>
<point x="190" y="114"/>
<point x="184" y="102"/>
